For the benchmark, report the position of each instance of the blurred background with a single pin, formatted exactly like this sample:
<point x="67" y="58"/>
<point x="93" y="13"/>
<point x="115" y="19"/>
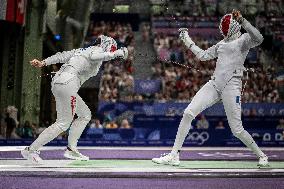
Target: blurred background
<point x="138" y="102"/>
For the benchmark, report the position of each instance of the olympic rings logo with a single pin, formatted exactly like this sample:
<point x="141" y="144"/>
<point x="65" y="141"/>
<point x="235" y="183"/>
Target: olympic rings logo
<point x="200" y="138"/>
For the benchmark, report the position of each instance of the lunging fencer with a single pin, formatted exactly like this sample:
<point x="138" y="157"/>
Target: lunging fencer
<point x="225" y="84"/>
<point x="78" y="66"/>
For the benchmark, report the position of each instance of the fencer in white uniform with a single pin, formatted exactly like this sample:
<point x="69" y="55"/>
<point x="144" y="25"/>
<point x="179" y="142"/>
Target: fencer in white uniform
<point x="78" y="66"/>
<point x="225" y="84"/>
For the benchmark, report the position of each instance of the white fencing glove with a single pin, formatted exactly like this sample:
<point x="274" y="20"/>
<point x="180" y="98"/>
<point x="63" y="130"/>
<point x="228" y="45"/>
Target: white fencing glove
<point x="121" y="53"/>
<point x="183" y="35"/>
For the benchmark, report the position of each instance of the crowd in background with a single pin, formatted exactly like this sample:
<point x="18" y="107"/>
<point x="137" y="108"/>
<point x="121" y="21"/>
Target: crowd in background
<point x="116" y="83"/>
<point x="221" y="7"/>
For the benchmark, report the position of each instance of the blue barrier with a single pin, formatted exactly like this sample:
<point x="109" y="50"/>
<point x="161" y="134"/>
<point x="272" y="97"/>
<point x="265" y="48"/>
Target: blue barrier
<point x="172" y="108"/>
<point x="268" y="138"/>
<point x="145" y="121"/>
<point x="161" y="131"/>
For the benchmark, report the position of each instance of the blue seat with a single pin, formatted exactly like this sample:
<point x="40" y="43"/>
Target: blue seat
<point x="95" y="133"/>
<point x="127" y="133"/>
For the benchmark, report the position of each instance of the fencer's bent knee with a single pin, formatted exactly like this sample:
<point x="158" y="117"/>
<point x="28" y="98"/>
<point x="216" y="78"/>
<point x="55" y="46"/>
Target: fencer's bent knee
<point x="191" y="110"/>
<point x="238" y="132"/>
<point x="87" y="116"/>
<point x="188" y="113"/>
<point x="63" y="124"/>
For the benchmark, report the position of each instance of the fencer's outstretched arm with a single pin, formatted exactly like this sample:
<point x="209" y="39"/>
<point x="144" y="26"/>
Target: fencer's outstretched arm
<point x="202" y="55"/>
<point x="65" y="56"/>
<point x="106" y="56"/>
<point x="60" y="57"/>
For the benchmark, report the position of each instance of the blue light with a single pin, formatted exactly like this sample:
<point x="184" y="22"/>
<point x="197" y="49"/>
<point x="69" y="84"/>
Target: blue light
<point x="57" y="37"/>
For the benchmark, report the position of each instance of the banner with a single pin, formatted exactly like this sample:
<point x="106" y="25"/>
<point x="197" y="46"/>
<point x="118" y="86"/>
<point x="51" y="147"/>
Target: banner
<point x="147" y="86"/>
<point x="173" y="109"/>
<point x="210" y="137"/>
<point x="172" y="122"/>
<point x="13" y="11"/>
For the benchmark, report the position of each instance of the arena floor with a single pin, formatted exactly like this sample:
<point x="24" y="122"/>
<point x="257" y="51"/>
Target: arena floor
<point x="130" y="167"/>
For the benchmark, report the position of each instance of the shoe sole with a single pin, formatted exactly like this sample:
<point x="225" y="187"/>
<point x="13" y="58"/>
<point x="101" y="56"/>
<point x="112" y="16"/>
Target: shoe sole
<point x="74" y="158"/>
<point x="263" y="166"/>
<point x="166" y="163"/>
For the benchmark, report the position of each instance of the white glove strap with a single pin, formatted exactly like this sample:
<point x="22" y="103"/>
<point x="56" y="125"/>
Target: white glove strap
<point x="188" y="42"/>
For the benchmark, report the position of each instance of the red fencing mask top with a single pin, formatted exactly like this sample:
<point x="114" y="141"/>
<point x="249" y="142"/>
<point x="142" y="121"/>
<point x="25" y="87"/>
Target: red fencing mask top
<point x="229" y="27"/>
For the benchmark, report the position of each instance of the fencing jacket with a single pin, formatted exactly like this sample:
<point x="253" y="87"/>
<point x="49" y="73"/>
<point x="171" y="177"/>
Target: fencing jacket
<point x="83" y="62"/>
<point x="230" y="54"/>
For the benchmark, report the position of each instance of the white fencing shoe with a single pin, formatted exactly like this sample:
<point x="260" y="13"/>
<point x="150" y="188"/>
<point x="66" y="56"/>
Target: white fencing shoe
<point x="31" y="155"/>
<point x="75" y="154"/>
<point x="167" y="159"/>
<point x="263" y="161"/>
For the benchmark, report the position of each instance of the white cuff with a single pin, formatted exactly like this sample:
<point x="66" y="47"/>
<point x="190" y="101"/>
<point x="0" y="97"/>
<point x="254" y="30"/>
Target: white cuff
<point x="195" y="49"/>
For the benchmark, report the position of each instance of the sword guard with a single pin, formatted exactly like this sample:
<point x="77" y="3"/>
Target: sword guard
<point x="182" y="30"/>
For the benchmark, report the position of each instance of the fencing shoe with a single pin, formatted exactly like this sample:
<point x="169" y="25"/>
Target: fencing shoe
<point x="75" y="154"/>
<point x="263" y="161"/>
<point x="167" y="159"/>
<point x="31" y="155"/>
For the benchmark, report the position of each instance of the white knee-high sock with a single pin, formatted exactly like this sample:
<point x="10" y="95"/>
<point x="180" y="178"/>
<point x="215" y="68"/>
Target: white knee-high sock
<point x="46" y="136"/>
<point x="76" y="131"/>
<point x="183" y="130"/>
<point x="247" y="139"/>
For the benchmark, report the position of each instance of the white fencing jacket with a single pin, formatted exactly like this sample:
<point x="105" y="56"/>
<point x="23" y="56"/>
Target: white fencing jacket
<point x="230" y="54"/>
<point x="84" y="62"/>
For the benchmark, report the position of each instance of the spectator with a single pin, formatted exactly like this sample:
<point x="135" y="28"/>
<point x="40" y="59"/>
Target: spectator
<point x="280" y="126"/>
<point x="146" y="32"/>
<point x="125" y="124"/>
<point x="202" y="123"/>
<point x="111" y="125"/>
<point x="13" y="112"/>
<point x="46" y="123"/>
<point x="41" y="129"/>
<point x="2" y="124"/>
<point x="95" y="123"/>
<point x="10" y="125"/>
<point x="107" y="117"/>
<point x="28" y="130"/>
<point x="220" y="125"/>
<point x="253" y="113"/>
